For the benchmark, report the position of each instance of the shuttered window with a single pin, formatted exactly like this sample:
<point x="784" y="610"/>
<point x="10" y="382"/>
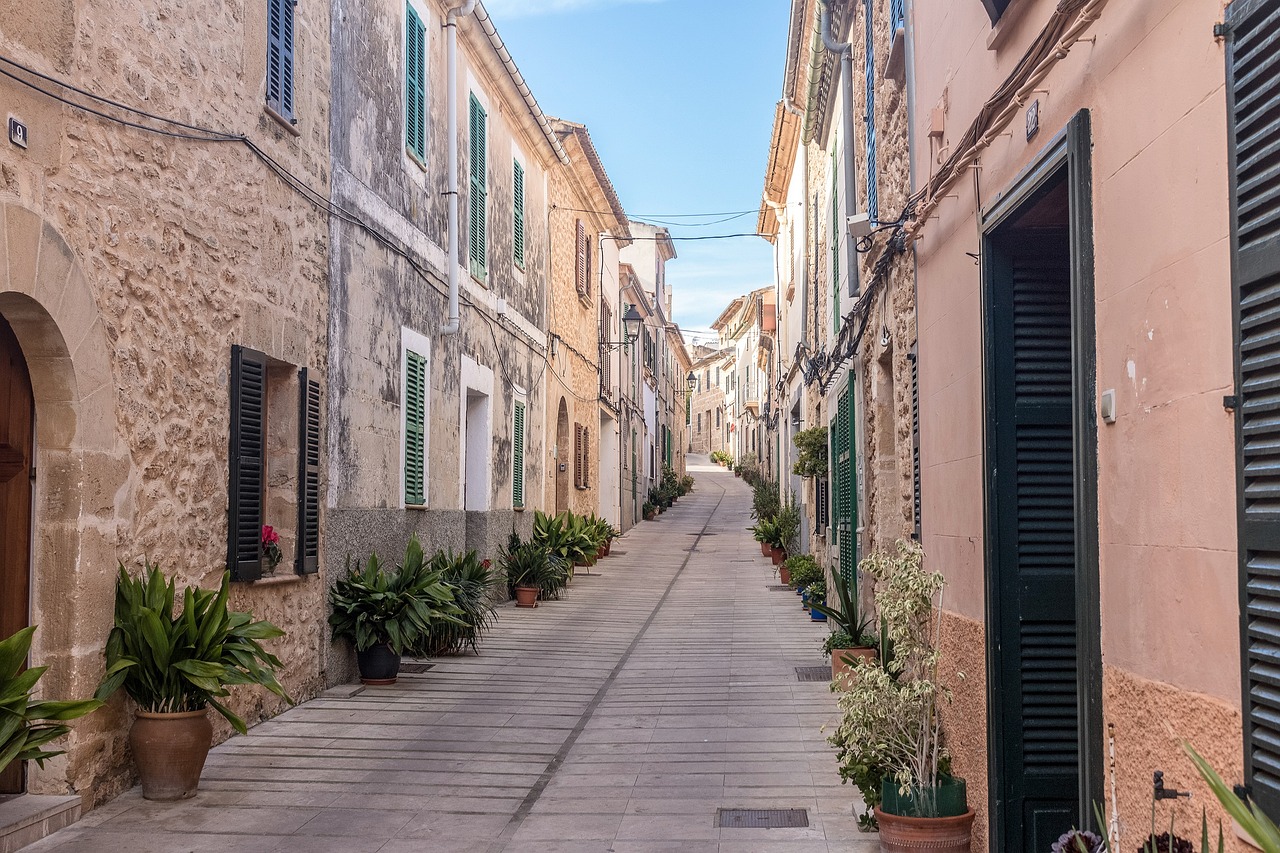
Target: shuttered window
<point x="247" y="459"/>
<point x="580" y="270"/>
<point x="478" y="248"/>
<point x="280" y="58"/>
<point x="415" y="409"/>
<point x="581" y="456"/>
<point x="1253" y="89"/>
<point x="517" y="455"/>
<point x="415" y="84"/>
<point x="873" y="190"/>
<point x="307" y="561"/>
<point x="517" y="203"/>
<point x="913" y="359"/>
<point x="606" y="334"/>
<point x="822" y="501"/>
<point x="835" y="242"/>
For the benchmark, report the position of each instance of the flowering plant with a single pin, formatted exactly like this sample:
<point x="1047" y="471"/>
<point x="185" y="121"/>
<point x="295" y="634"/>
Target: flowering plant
<point x="1078" y="841"/>
<point x="271" y="546"/>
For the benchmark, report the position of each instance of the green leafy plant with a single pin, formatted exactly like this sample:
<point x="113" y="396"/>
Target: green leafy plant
<point x="170" y="661"/>
<point x="648" y="509"/>
<point x="765" y="501"/>
<point x="788" y="530"/>
<point x="473" y="581"/>
<point x="26" y="726"/>
<point x="531" y="565"/>
<point x="686" y="484"/>
<point x="1260" y="828"/>
<point x="567" y="536"/>
<point x="812" y="444"/>
<point x="845" y="617"/>
<point x="804" y="570"/>
<point x="401" y="607"/>
<point x="817" y="592"/>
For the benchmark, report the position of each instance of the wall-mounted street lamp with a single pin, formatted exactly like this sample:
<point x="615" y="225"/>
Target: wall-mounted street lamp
<point x="631" y="323"/>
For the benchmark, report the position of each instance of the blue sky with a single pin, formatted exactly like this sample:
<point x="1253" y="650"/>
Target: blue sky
<point x="678" y="96"/>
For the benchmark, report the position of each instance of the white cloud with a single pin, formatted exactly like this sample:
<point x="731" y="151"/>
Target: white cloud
<point x="510" y="9"/>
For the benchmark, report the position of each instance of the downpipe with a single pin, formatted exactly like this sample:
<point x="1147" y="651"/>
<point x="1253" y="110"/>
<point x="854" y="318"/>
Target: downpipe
<point x="451" y="326"/>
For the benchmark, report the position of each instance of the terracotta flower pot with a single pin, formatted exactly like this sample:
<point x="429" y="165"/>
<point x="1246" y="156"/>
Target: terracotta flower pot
<point x="378" y="665"/>
<point x="838" y="665"/>
<point x="526" y="596"/>
<point x="777" y="556"/>
<point x="608" y="546"/>
<point x="169" y="750"/>
<point x="764" y="549"/>
<point x="936" y="834"/>
<point x="784" y="574"/>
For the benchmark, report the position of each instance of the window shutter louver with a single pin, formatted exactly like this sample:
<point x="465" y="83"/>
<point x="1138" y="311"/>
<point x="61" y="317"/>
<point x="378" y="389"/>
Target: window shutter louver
<point x="577" y="456"/>
<point x="517" y="231"/>
<point x="873" y="190"/>
<point x="479" y="198"/>
<point x="308" y="558"/>
<point x="606" y="356"/>
<point x="248" y="440"/>
<point x="415" y="84"/>
<point x="1253" y="111"/>
<point x="517" y="456"/>
<point x="280" y="57"/>
<point x="913" y="358"/>
<point x="415" y="401"/>
<point x="580" y="270"/>
<point x="835" y="242"/>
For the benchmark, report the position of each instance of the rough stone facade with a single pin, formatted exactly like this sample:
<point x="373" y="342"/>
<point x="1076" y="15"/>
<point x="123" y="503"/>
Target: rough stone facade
<point x="709" y="430"/>
<point x="130" y="264"/>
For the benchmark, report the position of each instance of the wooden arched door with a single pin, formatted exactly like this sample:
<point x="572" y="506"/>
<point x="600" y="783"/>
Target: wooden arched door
<point x="17" y="416"/>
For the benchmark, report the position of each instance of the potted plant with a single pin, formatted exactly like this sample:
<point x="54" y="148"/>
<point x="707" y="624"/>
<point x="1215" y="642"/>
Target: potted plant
<point x="763" y="532"/>
<point x="174" y="665"/>
<point x="817" y="597"/>
<point x="27" y="726"/>
<point x="787" y="529"/>
<point x="532" y="571"/>
<point x="889" y="740"/>
<point x="851" y="636"/>
<point x="812" y="447"/>
<point x="385" y="612"/>
<point x="649" y="512"/>
<point x="473" y="581"/>
<point x="804" y="572"/>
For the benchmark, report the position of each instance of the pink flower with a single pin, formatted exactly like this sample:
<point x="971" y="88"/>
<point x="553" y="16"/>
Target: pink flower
<point x="269" y="535"/>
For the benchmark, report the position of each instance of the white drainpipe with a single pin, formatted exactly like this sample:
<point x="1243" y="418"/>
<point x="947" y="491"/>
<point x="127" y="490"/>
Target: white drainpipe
<point x="451" y="118"/>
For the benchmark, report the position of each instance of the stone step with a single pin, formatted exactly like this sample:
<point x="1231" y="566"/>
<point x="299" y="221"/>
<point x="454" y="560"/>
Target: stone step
<point x="26" y="819"/>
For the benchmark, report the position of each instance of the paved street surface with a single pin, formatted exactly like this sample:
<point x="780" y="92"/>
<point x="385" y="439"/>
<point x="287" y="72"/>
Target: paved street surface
<point x="662" y="688"/>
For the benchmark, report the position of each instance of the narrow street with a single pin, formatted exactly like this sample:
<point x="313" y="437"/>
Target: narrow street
<point x="662" y="688"/>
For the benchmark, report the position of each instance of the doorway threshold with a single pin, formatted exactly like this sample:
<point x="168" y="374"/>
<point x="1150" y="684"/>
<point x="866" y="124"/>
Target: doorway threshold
<point x="27" y="818"/>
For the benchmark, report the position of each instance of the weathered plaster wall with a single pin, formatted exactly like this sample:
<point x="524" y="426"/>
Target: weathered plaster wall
<point x="143" y="279"/>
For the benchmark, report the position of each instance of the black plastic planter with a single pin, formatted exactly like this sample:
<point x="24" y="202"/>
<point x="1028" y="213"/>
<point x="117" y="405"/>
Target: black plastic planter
<point x="378" y="665"/>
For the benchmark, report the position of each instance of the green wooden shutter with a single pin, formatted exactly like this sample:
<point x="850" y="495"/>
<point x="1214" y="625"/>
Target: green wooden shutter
<point x="1253" y="110"/>
<point x="846" y="480"/>
<point x="479" y="189"/>
<point x="835" y="241"/>
<point x="308" y="556"/>
<point x="517" y="230"/>
<point x="248" y="445"/>
<point x="913" y="359"/>
<point x="415" y="407"/>
<point x="517" y="455"/>
<point x="415" y="85"/>
<point x="280" y="57"/>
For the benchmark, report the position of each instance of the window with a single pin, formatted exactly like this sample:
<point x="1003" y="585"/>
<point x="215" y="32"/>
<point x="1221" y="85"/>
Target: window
<point x="517" y="204"/>
<point x="517" y="455"/>
<point x="265" y="439"/>
<point x="415" y="85"/>
<point x="415" y="432"/>
<point x="717" y="418"/>
<point x="897" y="17"/>
<point x="699" y="423"/>
<point x="873" y="192"/>
<point x="280" y="59"/>
<point x="582" y="254"/>
<point x="581" y="456"/>
<point x="479" y="255"/>
<point x="606" y="334"/>
<point x="835" y="241"/>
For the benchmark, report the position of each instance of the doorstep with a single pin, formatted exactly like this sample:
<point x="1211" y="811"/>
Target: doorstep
<point x="26" y="819"/>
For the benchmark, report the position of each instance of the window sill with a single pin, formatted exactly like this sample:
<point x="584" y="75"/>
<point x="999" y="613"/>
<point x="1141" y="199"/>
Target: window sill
<point x="415" y="159"/>
<point x="290" y="125"/>
<point x="416" y="507"/>
<point x="517" y="509"/>
<point x="279" y="580"/>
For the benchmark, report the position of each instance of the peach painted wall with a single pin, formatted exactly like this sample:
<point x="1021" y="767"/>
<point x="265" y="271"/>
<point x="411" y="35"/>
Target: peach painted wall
<point x="1154" y="84"/>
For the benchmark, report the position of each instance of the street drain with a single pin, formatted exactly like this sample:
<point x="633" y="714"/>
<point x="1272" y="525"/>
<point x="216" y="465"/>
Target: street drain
<point x="761" y="818"/>
<point x="778" y="587"/>
<point x="415" y="668"/>
<point x="813" y="673"/>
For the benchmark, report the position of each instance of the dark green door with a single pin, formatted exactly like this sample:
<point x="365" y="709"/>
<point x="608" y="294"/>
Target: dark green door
<point x="1037" y="780"/>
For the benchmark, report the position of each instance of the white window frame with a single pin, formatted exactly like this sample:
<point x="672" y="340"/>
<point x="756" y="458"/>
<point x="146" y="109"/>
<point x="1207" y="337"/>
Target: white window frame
<point x="417" y="171"/>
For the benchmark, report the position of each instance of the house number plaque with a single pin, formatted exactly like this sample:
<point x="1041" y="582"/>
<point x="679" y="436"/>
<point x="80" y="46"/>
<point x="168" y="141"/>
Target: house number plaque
<point x="17" y="132"/>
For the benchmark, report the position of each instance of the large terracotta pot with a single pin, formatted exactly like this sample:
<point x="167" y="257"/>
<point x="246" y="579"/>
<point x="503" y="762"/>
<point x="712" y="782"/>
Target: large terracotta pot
<point x="764" y="549"/>
<point x="936" y="834"/>
<point x="526" y="596"/>
<point x="777" y="555"/>
<point x="838" y="665"/>
<point x="784" y="574"/>
<point x="169" y="750"/>
<point x="378" y="665"/>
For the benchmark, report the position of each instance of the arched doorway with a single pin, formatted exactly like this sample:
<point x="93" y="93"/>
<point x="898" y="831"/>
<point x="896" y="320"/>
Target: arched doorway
<point x="563" y="457"/>
<point x="17" y="449"/>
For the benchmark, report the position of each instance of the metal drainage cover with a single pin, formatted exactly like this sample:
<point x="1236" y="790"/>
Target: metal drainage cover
<point x="813" y="673"/>
<point x="761" y="818"/>
<point x="778" y="587"/>
<point x="413" y="668"/>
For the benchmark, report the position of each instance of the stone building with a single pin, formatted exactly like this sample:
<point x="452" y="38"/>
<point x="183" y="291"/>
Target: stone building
<point x="587" y="229"/>
<point x="164" y="341"/>
<point x="708" y="429"/>
<point x="435" y="422"/>
<point x="747" y="329"/>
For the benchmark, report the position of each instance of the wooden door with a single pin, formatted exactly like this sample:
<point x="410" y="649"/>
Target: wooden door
<point x="17" y="415"/>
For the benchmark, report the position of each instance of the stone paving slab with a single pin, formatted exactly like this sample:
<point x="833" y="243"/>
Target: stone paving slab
<point x="661" y="689"/>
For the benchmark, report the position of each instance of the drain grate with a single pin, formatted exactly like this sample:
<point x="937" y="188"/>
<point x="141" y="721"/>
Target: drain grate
<point x="415" y="668"/>
<point x="778" y="587"/>
<point x="813" y="673"/>
<point x="617" y="553"/>
<point x="761" y="818"/>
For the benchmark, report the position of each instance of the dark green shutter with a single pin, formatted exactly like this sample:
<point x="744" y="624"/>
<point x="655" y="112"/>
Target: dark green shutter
<point x="280" y="57"/>
<point x="415" y="85"/>
<point x="308" y="557"/>
<point x="913" y="358"/>
<point x="846" y="483"/>
<point x="479" y="200"/>
<point x="517" y="178"/>
<point x="415" y="407"/>
<point x="835" y="242"/>
<point x="517" y="456"/>
<point x="248" y="442"/>
<point x="873" y="186"/>
<point x="1253" y="110"/>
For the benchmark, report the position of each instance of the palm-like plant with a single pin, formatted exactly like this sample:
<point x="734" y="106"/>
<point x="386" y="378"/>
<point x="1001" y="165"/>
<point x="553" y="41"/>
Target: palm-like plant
<point x="473" y="581"/>
<point x="26" y="726"/>
<point x="170" y="662"/>
<point x="399" y="608"/>
<point x="844" y="614"/>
